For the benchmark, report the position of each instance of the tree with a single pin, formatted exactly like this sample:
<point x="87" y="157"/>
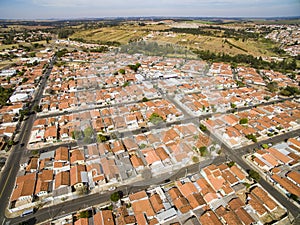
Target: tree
<point x="84" y="214"/>
<point x="115" y="196"/>
<point x="272" y="86"/>
<point x="232" y="105"/>
<point x="290" y="90"/>
<point x="195" y="159"/>
<point x="244" y="121"/>
<point x="203" y="151"/>
<point x="155" y="118"/>
<point x="251" y="137"/>
<point x="101" y="138"/>
<point x="254" y="175"/>
<point x="145" y="99"/>
<point x="122" y="71"/>
<point x="202" y="127"/>
<point x="231" y="164"/>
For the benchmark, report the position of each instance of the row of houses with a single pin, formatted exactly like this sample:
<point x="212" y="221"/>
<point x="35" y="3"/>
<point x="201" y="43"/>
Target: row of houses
<point x="105" y="121"/>
<point x="67" y="171"/>
<point x="258" y="123"/>
<point x="217" y="195"/>
<point x="279" y="164"/>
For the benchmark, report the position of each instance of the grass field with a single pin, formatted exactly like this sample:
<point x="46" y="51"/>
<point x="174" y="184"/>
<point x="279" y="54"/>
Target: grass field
<point x="122" y="34"/>
<point x="125" y="33"/>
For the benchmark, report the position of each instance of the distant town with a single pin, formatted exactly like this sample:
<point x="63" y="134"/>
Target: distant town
<point x="150" y="122"/>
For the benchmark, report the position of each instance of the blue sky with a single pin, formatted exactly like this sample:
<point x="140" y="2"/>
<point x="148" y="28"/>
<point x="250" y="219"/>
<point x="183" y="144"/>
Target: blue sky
<point x="46" y="9"/>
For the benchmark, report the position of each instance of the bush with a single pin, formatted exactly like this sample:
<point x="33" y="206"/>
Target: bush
<point x="202" y="127"/>
<point x="155" y="118"/>
<point x="195" y="159"/>
<point x="203" y="151"/>
<point x="243" y="121"/>
<point x="254" y="175"/>
<point x="115" y="197"/>
<point x="231" y="164"/>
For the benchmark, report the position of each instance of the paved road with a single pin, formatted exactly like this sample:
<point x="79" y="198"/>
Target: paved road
<point x="12" y="165"/>
<point x="236" y="156"/>
<point x="86" y="201"/>
<point x="9" y="173"/>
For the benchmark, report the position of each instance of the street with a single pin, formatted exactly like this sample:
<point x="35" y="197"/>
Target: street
<point x="9" y="173"/>
<point x="11" y="168"/>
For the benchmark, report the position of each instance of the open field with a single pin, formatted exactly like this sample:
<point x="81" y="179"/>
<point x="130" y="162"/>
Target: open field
<point x="127" y="33"/>
<point x="122" y="34"/>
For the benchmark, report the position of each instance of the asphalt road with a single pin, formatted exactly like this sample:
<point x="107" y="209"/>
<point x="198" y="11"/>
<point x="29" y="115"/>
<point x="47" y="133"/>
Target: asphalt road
<point x="12" y="165"/>
<point x="10" y="171"/>
<point x="236" y="156"/>
<point x="57" y="211"/>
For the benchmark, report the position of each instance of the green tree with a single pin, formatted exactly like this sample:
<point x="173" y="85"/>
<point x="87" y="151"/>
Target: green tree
<point x="101" y="138"/>
<point x="145" y="99"/>
<point x="232" y="105"/>
<point x="272" y="86"/>
<point x="254" y="175"/>
<point x="202" y="127"/>
<point x="115" y="196"/>
<point x="122" y="71"/>
<point x="155" y="118"/>
<point x="85" y="214"/>
<point x="195" y="159"/>
<point x="231" y="164"/>
<point x="243" y="121"/>
<point x="251" y="137"/>
<point x="203" y="151"/>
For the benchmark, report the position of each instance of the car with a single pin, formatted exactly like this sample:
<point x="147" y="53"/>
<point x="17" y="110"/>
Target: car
<point x="112" y="188"/>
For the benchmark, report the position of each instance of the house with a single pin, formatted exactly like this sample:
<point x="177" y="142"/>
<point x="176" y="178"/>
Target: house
<point x="44" y="183"/>
<point x="78" y="176"/>
<point x="24" y="189"/>
<point x="62" y="179"/>
<point x="76" y="157"/>
<point x="62" y="154"/>
<point x="103" y="217"/>
<point x="51" y="134"/>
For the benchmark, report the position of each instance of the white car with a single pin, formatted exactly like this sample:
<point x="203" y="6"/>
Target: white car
<point x="112" y="188"/>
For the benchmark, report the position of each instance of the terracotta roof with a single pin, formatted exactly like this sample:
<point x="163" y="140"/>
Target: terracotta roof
<point x="196" y="200"/>
<point x="136" y="161"/>
<point x="140" y="219"/>
<point x="156" y="203"/>
<point x="143" y="206"/>
<point x="237" y="172"/>
<point x="75" y="174"/>
<point x="162" y="154"/>
<point x="104" y="217"/>
<point x="294" y="176"/>
<point x="187" y="189"/>
<point x="287" y="184"/>
<point x="82" y="221"/>
<point x="244" y="216"/>
<point x="182" y="204"/>
<point x="209" y="218"/>
<point x="231" y="218"/>
<point x="61" y="154"/>
<point x="278" y="155"/>
<point x="138" y="195"/>
<point x="62" y="179"/>
<point x="24" y="186"/>
<point x="76" y="155"/>
<point x="235" y="203"/>
<point x="256" y="205"/>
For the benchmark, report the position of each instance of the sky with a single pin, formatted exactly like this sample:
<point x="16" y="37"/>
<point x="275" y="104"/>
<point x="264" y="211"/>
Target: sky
<point x="70" y="9"/>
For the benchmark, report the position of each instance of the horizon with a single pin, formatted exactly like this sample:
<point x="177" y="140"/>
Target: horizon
<point x="75" y="9"/>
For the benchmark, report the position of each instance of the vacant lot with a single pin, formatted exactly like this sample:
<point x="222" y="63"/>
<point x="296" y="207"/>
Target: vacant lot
<point x="129" y="32"/>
